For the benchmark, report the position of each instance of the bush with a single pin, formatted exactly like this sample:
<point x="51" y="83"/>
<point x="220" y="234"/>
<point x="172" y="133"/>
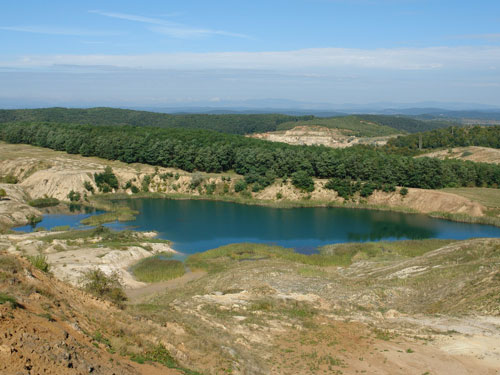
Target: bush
<point x="196" y="180"/>
<point x="134" y="189"/>
<point x="40" y="262"/>
<point x="367" y="189"/>
<point x="3" y="194"/>
<point x="210" y="188"/>
<point x="88" y="186"/>
<point x="74" y="196"/>
<point x="302" y="180"/>
<point x="109" y="287"/>
<point x="145" y="183"/>
<point x="403" y="192"/>
<point x="279" y="195"/>
<point x="106" y="181"/>
<point x="240" y="185"/>
<point x="33" y="219"/>
<point x="44" y="202"/>
<point x="9" y="179"/>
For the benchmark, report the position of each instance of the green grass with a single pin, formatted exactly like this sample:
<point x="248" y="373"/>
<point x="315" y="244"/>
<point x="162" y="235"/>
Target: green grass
<point x="120" y="214"/>
<point x="60" y="228"/>
<point x="346" y="253"/>
<point x="221" y="258"/>
<point x="155" y="269"/>
<point x="5" y="298"/>
<point x="160" y="354"/>
<point x="356" y="126"/>
<point x="40" y="262"/>
<point x="44" y="202"/>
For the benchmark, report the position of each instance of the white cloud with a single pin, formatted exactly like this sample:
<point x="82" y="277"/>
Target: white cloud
<point x="313" y="60"/>
<point x="172" y="29"/>
<point x="50" y="30"/>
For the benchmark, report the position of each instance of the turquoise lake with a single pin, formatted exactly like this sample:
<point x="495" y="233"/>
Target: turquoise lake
<point x="197" y="225"/>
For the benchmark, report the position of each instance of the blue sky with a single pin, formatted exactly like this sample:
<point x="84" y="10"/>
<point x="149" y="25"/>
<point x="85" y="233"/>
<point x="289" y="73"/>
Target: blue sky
<point x="161" y="53"/>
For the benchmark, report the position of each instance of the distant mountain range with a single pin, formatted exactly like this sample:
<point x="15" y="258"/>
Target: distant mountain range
<point x="421" y="110"/>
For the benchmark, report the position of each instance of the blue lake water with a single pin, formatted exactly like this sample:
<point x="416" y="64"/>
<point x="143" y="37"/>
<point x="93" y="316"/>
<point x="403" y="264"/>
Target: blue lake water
<point x="197" y="225"/>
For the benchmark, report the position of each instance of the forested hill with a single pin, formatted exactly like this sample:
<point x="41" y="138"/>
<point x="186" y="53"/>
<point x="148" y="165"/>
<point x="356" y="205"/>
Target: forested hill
<point x="485" y="136"/>
<point x="228" y="123"/>
<point x="406" y="124"/>
<point x="261" y="162"/>
<point x="364" y="125"/>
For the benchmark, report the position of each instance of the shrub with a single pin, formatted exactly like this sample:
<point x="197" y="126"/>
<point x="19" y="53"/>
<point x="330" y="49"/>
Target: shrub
<point x="367" y="189"/>
<point x="240" y="185"/>
<point x="302" y="180"/>
<point x="44" y="202"/>
<point x="3" y="194"/>
<point x="40" y="262"/>
<point x="33" y="219"/>
<point x="145" y="183"/>
<point x="403" y="192"/>
<point x="210" y="188"/>
<point x="88" y="186"/>
<point x="106" y="181"/>
<point x="279" y="195"/>
<point x="196" y="180"/>
<point x="109" y="287"/>
<point x="9" y="179"/>
<point x="74" y="196"/>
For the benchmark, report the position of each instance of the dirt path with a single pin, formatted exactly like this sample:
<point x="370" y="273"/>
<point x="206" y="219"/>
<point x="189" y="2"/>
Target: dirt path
<point x="139" y="294"/>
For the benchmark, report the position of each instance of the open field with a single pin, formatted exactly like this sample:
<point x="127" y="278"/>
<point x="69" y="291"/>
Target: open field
<point x="472" y="153"/>
<point x="487" y="197"/>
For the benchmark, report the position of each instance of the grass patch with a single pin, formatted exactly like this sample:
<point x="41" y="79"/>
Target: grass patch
<point x="157" y="268"/>
<point x="5" y="298"/>
<point x="9" y="264"/>
<point x="44" y="202"/>
<point x="121" y="214"/>
<point x="487" y="197"/>
<point x="40" y="262"/>
<point x="61" y="228"/>
<point x="221" y="258"/>
<point x="347" y="253"/>
<point x="160" y="354"/>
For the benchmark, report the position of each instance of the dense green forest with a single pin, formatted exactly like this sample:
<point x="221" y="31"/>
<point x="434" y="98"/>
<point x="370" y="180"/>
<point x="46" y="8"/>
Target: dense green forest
<point x="230" y="123"/>
<point x="261" y="162"/>
<point x="485" y="136"/>
<point x="361" y="125"/>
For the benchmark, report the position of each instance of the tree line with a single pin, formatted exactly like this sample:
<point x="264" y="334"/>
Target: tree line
<point x="485" y="136"/>
<point x="261" y="162"/>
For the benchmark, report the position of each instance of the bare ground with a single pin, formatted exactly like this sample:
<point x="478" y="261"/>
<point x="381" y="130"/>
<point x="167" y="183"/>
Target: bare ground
<point x="472" y="153"/>
<point x="319" y="135"/>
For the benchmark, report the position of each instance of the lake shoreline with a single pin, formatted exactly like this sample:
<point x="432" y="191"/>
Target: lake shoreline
<point x="101" y="201"/>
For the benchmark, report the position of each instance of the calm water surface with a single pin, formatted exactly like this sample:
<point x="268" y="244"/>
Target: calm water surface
<point x="195" y="225"/>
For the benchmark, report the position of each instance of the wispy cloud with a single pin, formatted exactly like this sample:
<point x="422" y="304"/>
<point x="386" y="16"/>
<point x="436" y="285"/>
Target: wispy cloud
<point x="315" y="60"/>
<point x="492" y="36"/>
<point x="172" y="29"/>
<point x="50" y="30"/>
